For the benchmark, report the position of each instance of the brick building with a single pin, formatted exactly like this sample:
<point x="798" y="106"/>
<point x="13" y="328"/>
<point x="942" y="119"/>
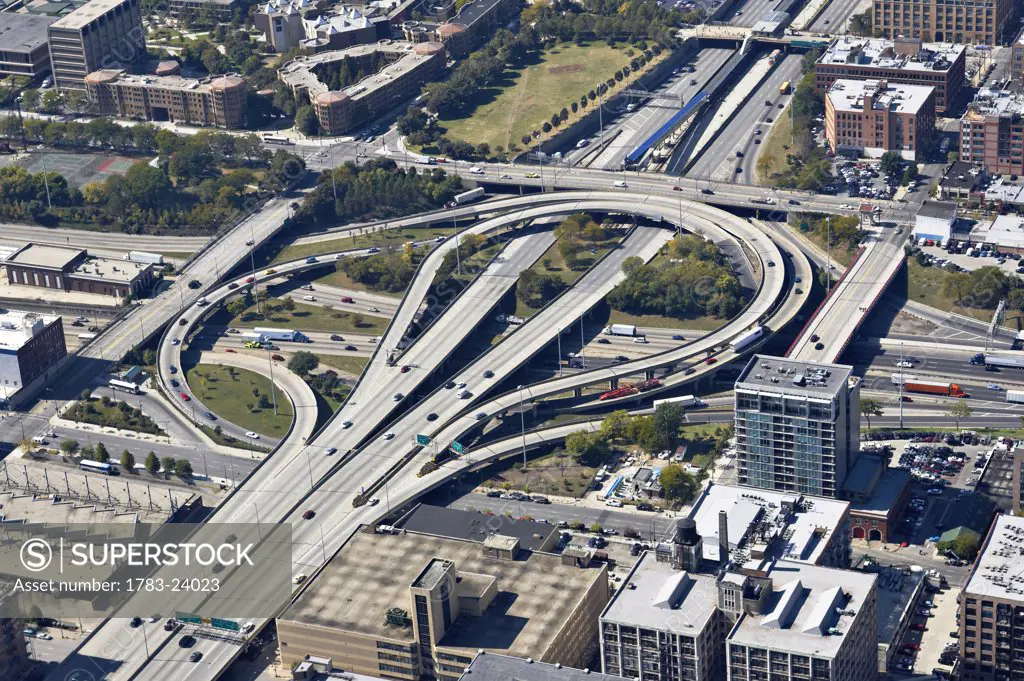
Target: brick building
<point x="878" y="495"/>
<point x="905" y="61"/>
<point x="979" y="21"/>
<point x="30" y="344"/>
<point x="73" y="269"/>
<point x="992" y="132"/>
<point x="871" y="117"/>
<point x="217" y="101"/>
<point x="101" y="34"/>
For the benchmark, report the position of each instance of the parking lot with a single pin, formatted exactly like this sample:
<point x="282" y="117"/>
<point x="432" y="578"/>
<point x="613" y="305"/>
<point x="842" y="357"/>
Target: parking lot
<point x="939" y="622"/>
<point x="960" y="256"/>
<point x="864" y="179"/>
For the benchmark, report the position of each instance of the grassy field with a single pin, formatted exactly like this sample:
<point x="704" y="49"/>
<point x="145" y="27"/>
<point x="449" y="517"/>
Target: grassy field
<point x="349" y="364"/>
<point x="772" y="158"/>
<point x="841" y="255"/>
<point x="382" y="237"/>
<point x="557" y="473"/>
<point x="557" y="267"/>
<point x="925" y="285"/>
<point x="228" y="391"/>
<point x="528" y="96"/>
<point x="308" y="318"/>
<point x="342" y="280"/>
<point x="661" y="322"/>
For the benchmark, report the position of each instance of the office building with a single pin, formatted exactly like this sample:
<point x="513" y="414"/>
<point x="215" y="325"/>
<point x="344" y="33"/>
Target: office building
<point x="800" y="621"/>
<point x="13" y="649"/>
<point x="797" y="425"/>
<point x="1017" y="57"/>
<point x="474" y="23"/>
<point x="753" y="527"/>
<point x="981" y="22"/>
<point x="491" y="667"/>
<point x="407" y="67"/>
<point x="288" y="24"/>
<point x="898" y="62"/>
<point x="215" y="101"/>
<point x="992" y="132"/>
<point x="24" y="50"/>
<point x="73" y="269"/>
<point x="218" y="10"/>
<point x="102" y="34"/>
<point x="30" y="344"/>
<point x="871" y="117"/>
<point x="992" y="607"/>
<point x="679" y="618"/>
<point x="404" y="605"/>
<point x="935" y="220"/>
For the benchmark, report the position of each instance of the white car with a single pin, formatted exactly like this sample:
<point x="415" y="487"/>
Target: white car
<point x="252" y="435"/>
<point x="374" y="501"/>
<point x="476" y="170"/>
<point x="640" y="340"/>
<point x="44" y="636"/>
<point x="905" y="364"/>
<point x="389" y="435"/>
<point x="247" y="627"/>
<point x="309" y="298"/>
<point x="614" y="503"/>
<point x="175" y="341"/>
<point x="505" y="176"/>
<point x="620" y="184"/>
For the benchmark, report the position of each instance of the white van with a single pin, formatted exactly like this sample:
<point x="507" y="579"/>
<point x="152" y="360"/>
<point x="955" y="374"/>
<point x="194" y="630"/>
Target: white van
<point x="203" y="301"/>
<point x="614" y="503"/>
<point x="39" y="440"/>
<point x="464" y="394"/>
<point x="476" y="170"/>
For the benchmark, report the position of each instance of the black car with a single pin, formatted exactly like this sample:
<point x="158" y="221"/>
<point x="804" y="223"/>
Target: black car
<point x="336" y="337"/>
<point x="195" y="283"/>
<point x="210" y="415"/>
<point x="603" y="341"/>
<point x="621" y="358"/>
<point x="707" y="190"/>
<point x="540" y="500"/>
<point x="170" y="624"/>
<point x="493" y="493"/>
<point x="488" y="374"/>
<point x="814" y="338"/>
<point x="136" y="622"/>
<point x="195" y="657"/>
<point x="819" y="346"/>
<point x="431" y="416"/>
<point x="449" y="385"/>
<point x="232" y="286"/>
<point x="182" y="322"/>
<point x="174" y="383"/>
<point x="644" y="506"/>
<point x="187" y="641"/>
<point x="351" y="348"/>
<point x="635" y="549"/>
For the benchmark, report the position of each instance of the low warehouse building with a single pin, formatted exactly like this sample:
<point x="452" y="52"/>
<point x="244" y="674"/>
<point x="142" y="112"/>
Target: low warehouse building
<point x="935" y="220"/>
<point x="73" y="269"/>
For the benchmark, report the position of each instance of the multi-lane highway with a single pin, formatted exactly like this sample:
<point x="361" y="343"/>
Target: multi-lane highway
<point x="833" y="19"/>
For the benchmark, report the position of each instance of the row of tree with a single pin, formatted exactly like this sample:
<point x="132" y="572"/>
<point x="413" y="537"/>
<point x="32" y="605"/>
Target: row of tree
<point x="154" y="464"/>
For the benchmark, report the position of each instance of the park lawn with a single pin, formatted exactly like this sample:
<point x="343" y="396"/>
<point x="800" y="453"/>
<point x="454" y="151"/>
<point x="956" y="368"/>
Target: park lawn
<point x="381" y="237"/>
<point x="528" y="96"/>
<point x="657" y="321"/>
<point x="308" y="318"/>
<point x="771" y="160"/>
<point x="342" y="280"/>
<point x="112" y="417"/>
<point x="350" y="364"/>
<point x="227" y="391"/>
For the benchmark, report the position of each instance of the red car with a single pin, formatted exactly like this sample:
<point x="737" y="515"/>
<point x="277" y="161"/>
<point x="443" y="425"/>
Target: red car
<point x="249" y="280"/>
<point x="347" y="299"/>
<point x="308" y="515"/>
<point x="405" y="368"/>
<point x="711" y="360"/>
<point x="911" y="646"/>
<point x="677" y="188"/>
<point x="185" y="397"/>
<point x="919" y="626"/>
<point x="229" y="350"/>
<point x="277" y="358"/>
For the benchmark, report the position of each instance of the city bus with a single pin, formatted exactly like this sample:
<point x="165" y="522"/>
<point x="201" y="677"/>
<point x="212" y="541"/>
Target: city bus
<point x="784" y="88"/>
<point x="276" y="139"/>
<point x="97" y="467"/>
<point x="126" y="386"/>
<point x="85" y="337"/>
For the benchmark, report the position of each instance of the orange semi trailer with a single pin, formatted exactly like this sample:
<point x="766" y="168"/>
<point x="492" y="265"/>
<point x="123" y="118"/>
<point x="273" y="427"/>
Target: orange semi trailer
<point x="912" y="384"/>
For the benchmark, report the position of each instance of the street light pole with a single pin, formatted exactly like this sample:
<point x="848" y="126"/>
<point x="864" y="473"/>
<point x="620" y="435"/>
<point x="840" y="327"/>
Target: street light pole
<point x="46" y="182"/>
<point x="455" y="228"/>
<point x="273" y="389"/>
<point x="901" y="384"/>
<point x="828" y="253"/>
<point x="522" y="424"/>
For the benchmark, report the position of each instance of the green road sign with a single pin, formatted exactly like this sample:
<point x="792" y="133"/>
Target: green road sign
<point x="423" y="440"/>
<point x="456" y="447"/>
<point x="187" y="618"/>
<point x="230" y="625"/>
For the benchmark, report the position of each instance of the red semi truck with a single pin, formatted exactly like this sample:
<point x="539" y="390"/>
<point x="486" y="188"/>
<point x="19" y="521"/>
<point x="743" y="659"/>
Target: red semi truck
<point x="914" y="385"/>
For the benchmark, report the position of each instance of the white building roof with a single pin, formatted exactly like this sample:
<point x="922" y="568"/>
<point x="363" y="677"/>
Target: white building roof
<point x="756" y="516"/>
<point x="848" y="95"/>
<point x="1005" y="230"/>
<point x="17" y="328"/>
<point x="999" y="571"/>
<point x="881" y="53"/>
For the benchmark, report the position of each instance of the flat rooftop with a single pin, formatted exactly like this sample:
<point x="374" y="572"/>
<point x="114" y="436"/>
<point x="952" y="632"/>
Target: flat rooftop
<point x="887" y="491"/>
<point x="1006" y="190"/>
<point x="474" y="11"/>
<point x="470" y="525"/>
<point x="664" y="598"/>
<point x="175" y="82"/>
<point x="301" y="71"/>
<point x="849" y="95"/>
<point x="109" y="269"/>
<point x="492" y="667"/>
<point x="896" y="590"/>
<point x="17" y="328"/>
<point x="86" y="13"/>
<point x="998" y="571"/>
<point x="803" y="608"/>
<point x="373" y="573"/>
<point x="23" y="32"/>
<point x="757" y="517"/>
<point x="944" y="210"/>
<point x="44" y="256"/>
<point x="765" y="373"/>
<point x="881" y="53"/>
<point x="994" y="103"/>
<point x="1005" y="230"/>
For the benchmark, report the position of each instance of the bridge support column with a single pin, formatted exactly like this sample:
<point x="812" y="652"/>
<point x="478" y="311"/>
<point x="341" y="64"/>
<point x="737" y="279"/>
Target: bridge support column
<point x="649" y="374"/>
<point x="613" y="384"/>
<point x="577" y="392"/>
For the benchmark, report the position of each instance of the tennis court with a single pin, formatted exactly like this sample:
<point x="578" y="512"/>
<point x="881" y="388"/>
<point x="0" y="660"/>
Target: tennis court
<point x="78" y="169"/>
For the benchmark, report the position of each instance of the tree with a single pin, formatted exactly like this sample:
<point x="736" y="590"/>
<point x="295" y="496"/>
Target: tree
<point x="127" y="461"/>
<point x="306" y="121"/>
<point x="890" y="163"/>
<point x="303" y="362"/>
<point x="152" y="463"/>
<point x="667" y="419"/>
<point x="237" y="306"/>
<point x="595" y="527"/>
<point x="100" y="453"/>
<point x="677" y="484"/>
<point x="966" y="545"/>
<point x="69" y="446"/>
<point x="869" y="408"/>
<point x="183" y="468"/>
<point x="167" y="463"/>
<point x="287" y="304"/>
<point x="615" y="425"/>
<point x="909" y="175"/>
<point x="959" y="410"/>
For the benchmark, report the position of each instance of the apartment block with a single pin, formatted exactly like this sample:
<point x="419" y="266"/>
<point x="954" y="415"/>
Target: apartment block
<point x="992" y="607"/>
<point x="402" y="605"/>
<point x="30" y="344"/>
<point x="903" y="61"/>
<point x="992" y="132"/>
<point x="102" y="34"/>
<point x="978" y="22"/>
<point x="797" y="425"/>
<point x="474" y="23"/>
<point x="871" y="117"/>
<point x="408" y="67"/>
<point x="800" y="622"/>
<point x="23" y="44"/>
<point x="288" y="24"/>
<point x="219" y="10"/>
<point x="215" y="101"/>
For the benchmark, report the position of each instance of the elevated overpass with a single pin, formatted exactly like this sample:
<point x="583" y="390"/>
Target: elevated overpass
<point x="795" y="39"/>
<point x="851" y="300"/>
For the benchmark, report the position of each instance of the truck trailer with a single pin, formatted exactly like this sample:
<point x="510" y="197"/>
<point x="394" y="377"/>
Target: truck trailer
<point x="143" y="256"/>
<point x="916" y="385"/>
<point x="469" y="196"/>
<point x="746" y="338"/>
<point x="620" y="330"/>
<point x="1005" y="360"/>
<point x="290" y="335"/>
<point x="1015" y="396"/>
<point x="686" y="401"/>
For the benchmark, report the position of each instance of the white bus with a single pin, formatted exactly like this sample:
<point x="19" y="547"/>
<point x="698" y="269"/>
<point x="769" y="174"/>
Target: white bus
<point x="85" y="337"/>
<point x="97" y="467"/>
<point x="126" y="386"/>
<point x="276" y="139"/>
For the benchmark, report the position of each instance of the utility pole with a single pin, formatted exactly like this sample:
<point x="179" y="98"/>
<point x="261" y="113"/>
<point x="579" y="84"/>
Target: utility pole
<point x="901" y="384"/>
<point x="522" y="424"/>
<point x="828" y="254"/>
